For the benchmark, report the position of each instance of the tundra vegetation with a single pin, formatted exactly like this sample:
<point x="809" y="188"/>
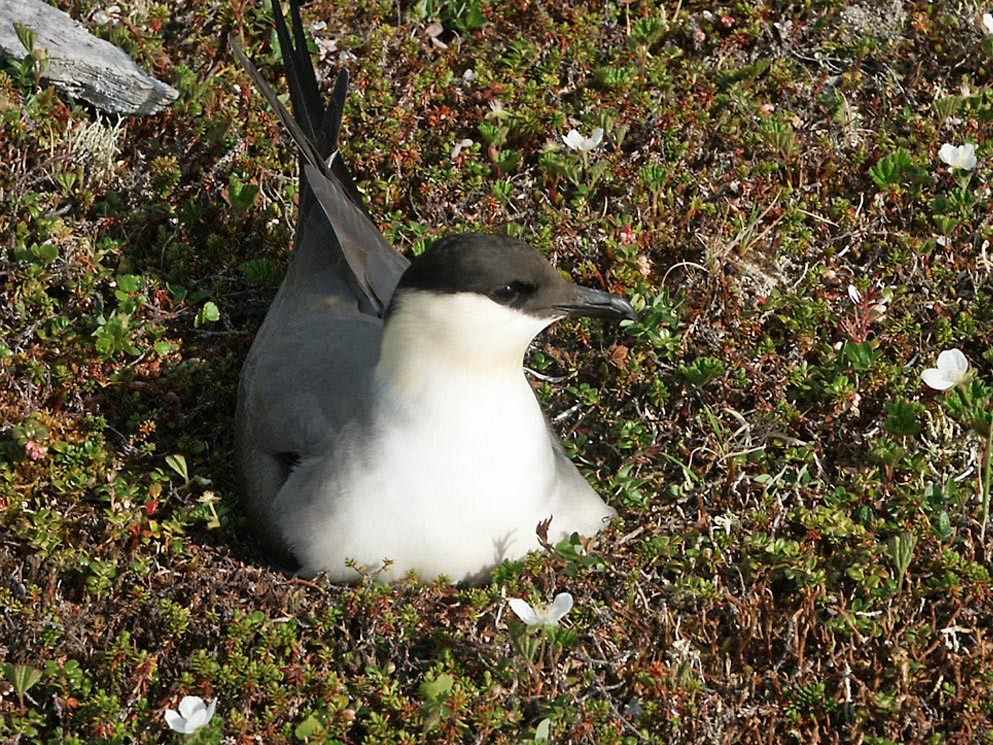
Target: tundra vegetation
<point x="803" y="549"/>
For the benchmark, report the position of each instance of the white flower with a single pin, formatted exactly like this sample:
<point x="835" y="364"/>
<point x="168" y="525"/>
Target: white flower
<point x="963" y="156"/>
<point x="459" y="147"/>
<point x="583" y="144"/>
<point x="854" y="294"/>
<point x="952" y="369"/>
<point x="547" y="616"/>
<point x="726" y="522"/>
<point x="497" y="111"/>
<point x="193" y="714"/>
<point x="110" y="14"/>
<point x="988" y="23"/>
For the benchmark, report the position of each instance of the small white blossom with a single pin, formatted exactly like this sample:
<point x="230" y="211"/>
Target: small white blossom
<point x="192" y="715"/>
<point x="110" y="14"/>
<point x="725" y="522"/>
<point x="952" y="370"/>
<point x="497" y="111"/>
<point x="854" y="294"/>
<point x="459" y="147"/>
<point x="583" y="144"/>
<point x="963" y="156"/>
<point x="547" y="616"/>
<point x="469" y="75"/>
<point x="988" y="23"/>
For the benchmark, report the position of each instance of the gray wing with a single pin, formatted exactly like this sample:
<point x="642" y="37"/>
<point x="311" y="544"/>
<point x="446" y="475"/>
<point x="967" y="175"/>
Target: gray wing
<point x="309" y="368"/>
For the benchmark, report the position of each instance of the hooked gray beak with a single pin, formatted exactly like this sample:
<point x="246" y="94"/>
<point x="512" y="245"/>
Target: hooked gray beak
<point x="589" y="302"/>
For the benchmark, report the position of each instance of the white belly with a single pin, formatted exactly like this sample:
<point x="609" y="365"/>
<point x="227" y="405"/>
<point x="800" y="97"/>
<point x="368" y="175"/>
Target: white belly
<point x="454" y="493"/>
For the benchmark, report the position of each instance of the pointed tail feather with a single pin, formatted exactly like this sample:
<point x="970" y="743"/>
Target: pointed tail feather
<point x="306" y="144"/>
<point x="374" y="265"/>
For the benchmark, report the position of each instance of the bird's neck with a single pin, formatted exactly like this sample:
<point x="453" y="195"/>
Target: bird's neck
<point x="415" y="366"/>
<point x="433" y="340"/>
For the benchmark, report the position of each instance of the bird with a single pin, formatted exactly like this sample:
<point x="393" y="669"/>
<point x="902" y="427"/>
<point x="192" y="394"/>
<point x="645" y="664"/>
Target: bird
<point x="385" y="425"/>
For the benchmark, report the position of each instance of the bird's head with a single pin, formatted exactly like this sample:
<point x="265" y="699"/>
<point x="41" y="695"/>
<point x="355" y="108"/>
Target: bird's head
<point x="481" y="299"/>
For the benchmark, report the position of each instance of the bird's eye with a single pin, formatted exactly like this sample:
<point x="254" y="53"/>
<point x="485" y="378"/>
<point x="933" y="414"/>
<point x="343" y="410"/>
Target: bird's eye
<point x="512" y="293"/>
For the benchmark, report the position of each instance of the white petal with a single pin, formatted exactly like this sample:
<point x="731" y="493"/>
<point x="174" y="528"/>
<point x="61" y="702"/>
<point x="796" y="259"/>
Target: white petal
<point x="560" y="606"/>
<point x="597" y="137"/>
<point x="189" y="706"/>
<point x="988" y="22"/>
<point x="936" y="379"/>
<point x="459" y="147"/>
<point x="953" y="364"/>
<point x="210" y="710"/>
<point x="947" y="154"/>
<point x="524" y="611"/>
<point x="967" y="156"/>
<point x="573" y="139"/>
<point x="196" y="720"/>
<point x="175" y="721"/>
<point x="854" y="294"/>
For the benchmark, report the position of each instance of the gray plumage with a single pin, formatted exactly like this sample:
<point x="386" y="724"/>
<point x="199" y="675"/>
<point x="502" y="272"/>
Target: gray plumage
<point x="383" y="413"/>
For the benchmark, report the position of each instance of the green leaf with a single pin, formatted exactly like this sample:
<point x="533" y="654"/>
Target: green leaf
<point x="178" y="464"/>
<point x="308" y="728"/>
<point x="493" y="134"/>
<point x="261" y="272"/>
<point x="942" y="527"/>
<point x="209" y="313"/>
<point x="437" y="690"/>
<point x="861" y="356"/>
<point x="114" y="335"/>
<point x="901" y="419"/>
<point x="702" y="371"/>
<point x="27" y="36"/>
<point x="46" y="253"/>
<point x="129" y="282"/>
<point x="23" y="677"/>
<point x="896" y="169"/>
<point x="241" y="196"/>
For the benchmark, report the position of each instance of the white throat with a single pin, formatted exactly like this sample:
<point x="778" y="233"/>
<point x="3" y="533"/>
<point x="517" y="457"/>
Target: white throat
<point x="431" y="338"/>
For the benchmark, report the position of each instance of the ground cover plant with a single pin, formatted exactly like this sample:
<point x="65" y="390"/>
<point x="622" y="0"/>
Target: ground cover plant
<point x="786" y="190"/>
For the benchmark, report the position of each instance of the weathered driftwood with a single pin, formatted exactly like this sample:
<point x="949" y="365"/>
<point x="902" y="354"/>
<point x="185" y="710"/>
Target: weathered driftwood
<point x="81" y="64"/>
